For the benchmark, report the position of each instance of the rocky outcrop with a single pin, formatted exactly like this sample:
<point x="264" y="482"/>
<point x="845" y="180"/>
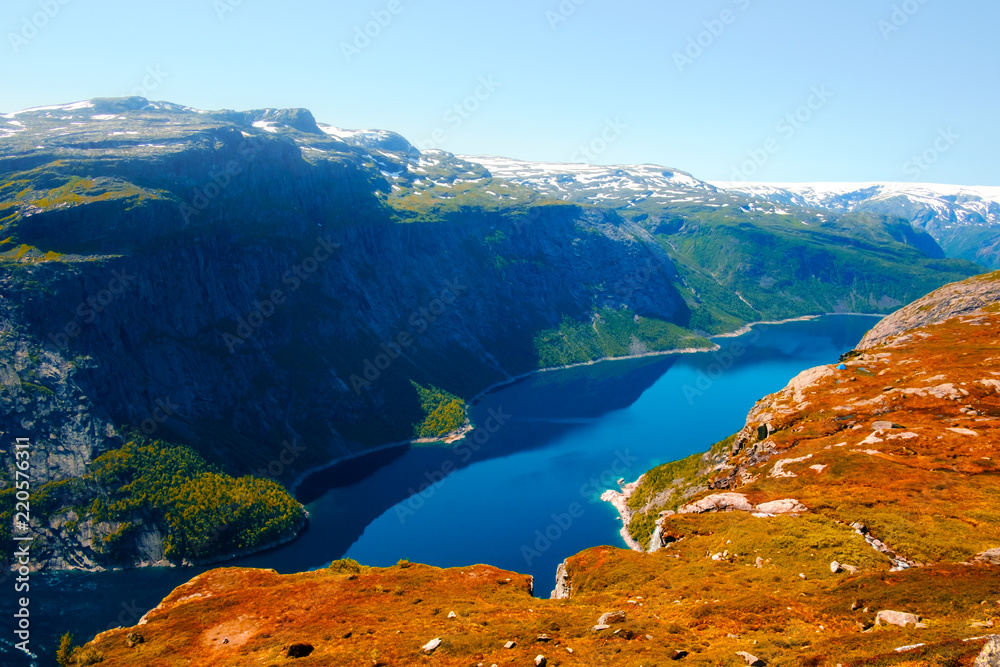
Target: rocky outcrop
<point x="962" y="298"/>
<point x="563" y="588"/>
<point x="737" y="502"/>
<point x="900" y="618"/>
<point x="990" y="655"/>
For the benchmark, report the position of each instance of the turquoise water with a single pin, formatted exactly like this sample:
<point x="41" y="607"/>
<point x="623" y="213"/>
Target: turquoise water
<point x="520" y="493"/>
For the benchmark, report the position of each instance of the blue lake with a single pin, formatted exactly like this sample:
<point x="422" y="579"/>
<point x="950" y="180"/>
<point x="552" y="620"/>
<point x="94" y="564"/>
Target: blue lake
<point x="520" y="493"/>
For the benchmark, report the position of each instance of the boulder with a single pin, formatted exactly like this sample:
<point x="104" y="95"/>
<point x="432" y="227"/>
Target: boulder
<point x="452" y="614"/>
<point x="510" y="644"/>
<point x="540" y="661"/>
<point x="718" y="502"/>
<point x="751" y="660"/>
<point x="836" y="568"/>
<point x="990" y="655"/>
<point x="611" y="617"/>
<point x="431" y="646"/>
<point x="990" y="557"/>
<point x="133" y="638"/>
<point x="900" y="618"/>
<point x="784" y="506"/>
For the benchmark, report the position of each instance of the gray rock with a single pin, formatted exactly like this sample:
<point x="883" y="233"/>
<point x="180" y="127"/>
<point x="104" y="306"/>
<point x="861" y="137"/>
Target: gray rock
<point x="990" y="557"/>
<point x="990" y="655"/>
<point x="431" y="646"/>
<point x="783" y="506"/>
<point x="598" y="628"/>
<point x="611" y="617"/>
<point x="900" y="618"/>
<point x="540" y="661"/>
<point x="562" y="591"/>
<point x="835" y="567"/>
<point x="510" y="644"/>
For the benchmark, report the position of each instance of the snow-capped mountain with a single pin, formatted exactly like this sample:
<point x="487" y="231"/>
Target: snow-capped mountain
<point x="965" y="220"/>
<point x="603" y="184"/>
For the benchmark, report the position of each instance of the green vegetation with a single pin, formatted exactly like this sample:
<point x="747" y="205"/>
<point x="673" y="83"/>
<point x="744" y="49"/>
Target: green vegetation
<point x="611" y="334"/>
<point x="742" y="266"/>
<point x="64" y="654"/>
<point x="444" y="412"/>
<point x="667" y="487"/>
<point x="348" y="566"/>
<point x="205" y="513"/>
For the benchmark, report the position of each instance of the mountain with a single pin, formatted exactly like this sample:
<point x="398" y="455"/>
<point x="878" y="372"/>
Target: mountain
<point x="852" y="521"/>
<point x="255" y="293"/>
<point x="964" y="220"/>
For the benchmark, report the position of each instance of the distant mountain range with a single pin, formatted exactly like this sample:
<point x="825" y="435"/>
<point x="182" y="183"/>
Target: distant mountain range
<point x="964" y="220"/>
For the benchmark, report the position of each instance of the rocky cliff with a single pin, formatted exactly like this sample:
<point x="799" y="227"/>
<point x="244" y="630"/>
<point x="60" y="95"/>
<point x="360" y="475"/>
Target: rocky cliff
<point x="852" y="522"/>
<point x="268" y="289"/>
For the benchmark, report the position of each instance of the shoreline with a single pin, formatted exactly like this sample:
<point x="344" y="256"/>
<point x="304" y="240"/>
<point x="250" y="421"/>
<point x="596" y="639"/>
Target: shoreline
<point x="456" y="436"/>
<point x="743" y="330"/>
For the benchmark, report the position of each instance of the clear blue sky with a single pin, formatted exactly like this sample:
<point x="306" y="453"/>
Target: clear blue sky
<point x="560" y="83"/>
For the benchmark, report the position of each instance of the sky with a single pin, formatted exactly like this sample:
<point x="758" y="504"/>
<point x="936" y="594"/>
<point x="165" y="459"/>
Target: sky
<point x="778" y="91"/>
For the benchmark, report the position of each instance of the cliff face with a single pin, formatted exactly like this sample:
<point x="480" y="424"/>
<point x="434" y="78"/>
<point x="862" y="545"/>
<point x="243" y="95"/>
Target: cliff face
<point x="267" y="289"/>
<point x="853" y="521"/>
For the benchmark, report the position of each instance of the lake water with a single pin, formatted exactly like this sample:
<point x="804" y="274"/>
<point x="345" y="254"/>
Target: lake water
<point x="521" y="493"/>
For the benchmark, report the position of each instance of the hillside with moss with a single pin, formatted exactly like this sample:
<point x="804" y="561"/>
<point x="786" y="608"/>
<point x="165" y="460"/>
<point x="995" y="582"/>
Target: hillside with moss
<point x="853" y="521"/>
